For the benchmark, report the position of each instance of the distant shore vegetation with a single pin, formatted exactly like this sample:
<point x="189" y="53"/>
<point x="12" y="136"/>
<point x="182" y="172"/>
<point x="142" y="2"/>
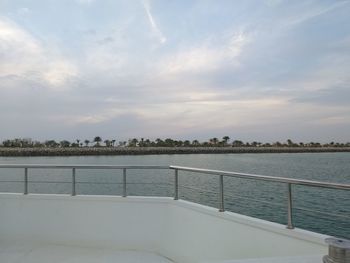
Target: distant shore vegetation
<point x="142" y="146"/>
<point x="97" y="141"/>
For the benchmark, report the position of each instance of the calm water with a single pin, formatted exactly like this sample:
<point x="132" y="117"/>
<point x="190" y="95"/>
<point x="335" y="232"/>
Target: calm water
<point x="320" y="210"/>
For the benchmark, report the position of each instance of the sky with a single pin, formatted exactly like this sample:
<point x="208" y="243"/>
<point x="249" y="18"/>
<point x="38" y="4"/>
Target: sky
<point x="262" y="70"/>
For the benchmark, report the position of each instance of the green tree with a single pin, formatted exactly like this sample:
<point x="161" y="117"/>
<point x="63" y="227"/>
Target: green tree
<point x="225" y="140"/>
<point x="195" y="143"/>
<point x="133" y="142"/>
<point x="122" y="143"/>
<point x="290" y="143"/>
<point x="187" y="143"/>
<point x="214" y="141"/>
<point x="147" y="142"/>
<point x="7" y="143"/>
<point x="51" y="143"/>
<point x="64" y="143"/>
<point x="159" y="142"/>
<point x="237" y="143"/>
<point x="107" y="143"/>
<point x="97" y="140"/>
<point x="169" y="142"/>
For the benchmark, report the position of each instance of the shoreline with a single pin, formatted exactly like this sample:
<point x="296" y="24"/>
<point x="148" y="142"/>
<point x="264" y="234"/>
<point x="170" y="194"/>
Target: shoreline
<point x="91" y="151"/>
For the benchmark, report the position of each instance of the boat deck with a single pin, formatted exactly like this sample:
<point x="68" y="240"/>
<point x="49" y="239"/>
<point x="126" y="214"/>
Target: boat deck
<point x="99" y="228"/>
<point x="41" y="253"/>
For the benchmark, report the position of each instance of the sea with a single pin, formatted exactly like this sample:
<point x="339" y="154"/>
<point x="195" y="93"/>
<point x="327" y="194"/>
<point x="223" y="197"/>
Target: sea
<point x="325" y="211"/>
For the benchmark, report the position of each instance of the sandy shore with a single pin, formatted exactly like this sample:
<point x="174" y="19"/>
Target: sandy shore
<point x="159" y="150"/>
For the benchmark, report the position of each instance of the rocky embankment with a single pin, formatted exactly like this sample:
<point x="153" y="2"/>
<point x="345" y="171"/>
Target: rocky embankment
<point x="83" y="151"/>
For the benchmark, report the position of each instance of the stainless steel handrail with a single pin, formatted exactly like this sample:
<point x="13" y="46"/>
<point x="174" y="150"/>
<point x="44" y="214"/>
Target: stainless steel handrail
<point x="264" y="178"/>
<point x="288" y="181"/>
<point x="83" y="166"/>
<point x="74" y="168"/>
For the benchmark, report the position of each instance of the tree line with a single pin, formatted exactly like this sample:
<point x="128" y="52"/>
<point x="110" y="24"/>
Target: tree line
<point x="97" y="141"/>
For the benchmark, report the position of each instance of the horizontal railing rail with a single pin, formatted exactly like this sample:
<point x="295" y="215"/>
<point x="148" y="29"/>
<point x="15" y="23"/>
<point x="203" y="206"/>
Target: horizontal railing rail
<point x="264" y="178"/>
<point x="221" y="174"/>
<point x="79" y="166"/>
<point x="288" y="181"/>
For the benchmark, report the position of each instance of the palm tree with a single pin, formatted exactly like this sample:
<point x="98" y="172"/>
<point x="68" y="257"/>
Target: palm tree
<point x="86" y="142"/>
<point x="133" y="142"/>
<point x="147" y="142"/>
<point x="195" y="142"/>
<point x="107" y="142"/>
<point x="277" y="144"/>
<point x="237" y="143"/>
<point x="64" y="143"/>
<point x="97" y="140"/>
<point x="225" y="139"/>
<point x="254" y="144"/>
<point x="113" y="142"/>
<point x="169" y="142"/>
<point x="214" y="140"/>
<point x="51" y="143"/>
<point x="122" y="143"/>
<point x="159" y="142"/>
<point x="187" y="143"/>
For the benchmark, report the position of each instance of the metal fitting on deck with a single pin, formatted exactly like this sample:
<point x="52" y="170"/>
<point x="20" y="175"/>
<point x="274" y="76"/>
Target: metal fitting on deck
<point x="338" y="251"/>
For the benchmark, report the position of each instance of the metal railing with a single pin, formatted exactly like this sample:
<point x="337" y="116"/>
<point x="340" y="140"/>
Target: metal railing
<point x="221" y="174"/>
<point x="288" y="181"/>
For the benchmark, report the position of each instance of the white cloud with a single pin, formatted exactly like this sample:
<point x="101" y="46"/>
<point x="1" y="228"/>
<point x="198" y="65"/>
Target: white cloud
<point x="18" y="49"/>
<point x="25" y="56"/>
<point x="241" y="71"/>
<point x="205" y="58"/>
<point x="59" y="72"/>
<point x="192" y="60"/>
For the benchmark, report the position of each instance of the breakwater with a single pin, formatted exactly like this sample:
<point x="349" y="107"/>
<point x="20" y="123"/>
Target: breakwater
<point x="86" y="151"/>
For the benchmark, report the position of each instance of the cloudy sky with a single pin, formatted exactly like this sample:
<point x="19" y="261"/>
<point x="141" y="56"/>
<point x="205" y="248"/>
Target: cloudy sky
<point x="253" y="70"/>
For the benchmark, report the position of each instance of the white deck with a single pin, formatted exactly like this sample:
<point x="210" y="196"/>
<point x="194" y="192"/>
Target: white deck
<point x="139" y="229"/>
<point x="303" y="259"/>
<point x="30" y="253"/>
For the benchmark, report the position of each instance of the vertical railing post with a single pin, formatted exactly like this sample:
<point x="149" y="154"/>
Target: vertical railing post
<point x="25" y="181"/>
<point x="290" y="206"/>
<point x="176" y="185"/>
<point x="221" y="194"/>
<point x="73" y="182"/>
<point x="124" y="182"/>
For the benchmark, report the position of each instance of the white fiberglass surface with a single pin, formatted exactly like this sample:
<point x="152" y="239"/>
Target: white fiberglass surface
<point x="38" y="253"/>
<point x="303" y="259"/>
<point x="182" y="231"/>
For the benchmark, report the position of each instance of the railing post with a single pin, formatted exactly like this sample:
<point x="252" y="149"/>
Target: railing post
<point x="221" y="194"/>
<point x="290" y="206"/>
<point x="124" y="182"/>
<point x="25" y="181"/>
<point x="176" y="185"/>
<point x="73" y="182"/>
